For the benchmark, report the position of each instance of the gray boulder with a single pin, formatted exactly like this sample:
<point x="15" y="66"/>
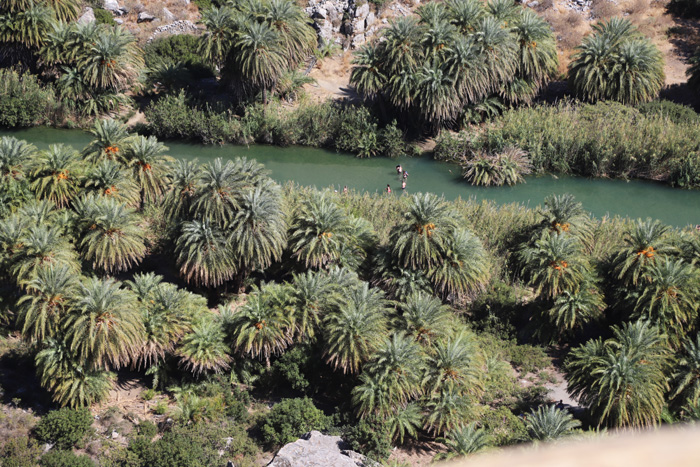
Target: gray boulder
<point x="167" y="15"/>
<point x="112" y="5"/>
<point x="145" y="17"/>
<point x="88" y="16"/>
<point x="318" y="450"/>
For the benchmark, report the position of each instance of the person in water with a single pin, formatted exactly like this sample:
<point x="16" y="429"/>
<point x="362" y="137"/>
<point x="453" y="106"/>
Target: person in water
<point x="345" y="189"/>
<point x="388" y="188"/>
<point x="405" y="175"/>
<point x="399" y="169"/>
<point x="403" y="184"/>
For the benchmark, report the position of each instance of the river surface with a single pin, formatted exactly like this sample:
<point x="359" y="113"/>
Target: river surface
<point x="321" y="168"/>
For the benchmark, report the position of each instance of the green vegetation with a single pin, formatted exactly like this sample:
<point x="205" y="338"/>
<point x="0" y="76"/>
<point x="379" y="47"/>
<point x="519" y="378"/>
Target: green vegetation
<point x="455" y="57"/>
<point x="23" y="101"/>
<point x="601" y="140"/>
<point x="383" y="319"/>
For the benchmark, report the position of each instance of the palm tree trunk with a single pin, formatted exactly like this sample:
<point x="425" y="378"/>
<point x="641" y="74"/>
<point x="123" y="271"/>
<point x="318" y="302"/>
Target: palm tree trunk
<point x="267" y="361"/>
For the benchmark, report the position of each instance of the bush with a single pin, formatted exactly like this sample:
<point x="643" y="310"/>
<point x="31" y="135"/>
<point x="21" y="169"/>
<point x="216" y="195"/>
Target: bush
<point x="601" y="140"/>
<point x="19" y="452"/>
<point x="104" y="17"/>
<point x="57" y="458"/>
<point x="23" y="102"/>
<point x="177" y="48"/>
<point x="370" y="437"/>
<point x="147" y="429"/>
<point x="65" y="427"/>
<point x="290" y="419"/>
<point x="676" y="113"/>
<point x="503" y="426"/>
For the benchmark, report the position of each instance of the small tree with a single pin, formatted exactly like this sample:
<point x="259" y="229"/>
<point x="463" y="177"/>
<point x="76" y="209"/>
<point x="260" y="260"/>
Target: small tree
<point x="290" y="419"/>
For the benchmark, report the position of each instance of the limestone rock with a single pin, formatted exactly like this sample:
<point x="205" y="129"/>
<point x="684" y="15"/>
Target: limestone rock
<point x="362" y="11"/>
<point x="167" y="15"/>
<point x="145" y="17"/>
<point x="112" y="5"/>
<point x="88" y="16"/>
<point x="318" y="450"/>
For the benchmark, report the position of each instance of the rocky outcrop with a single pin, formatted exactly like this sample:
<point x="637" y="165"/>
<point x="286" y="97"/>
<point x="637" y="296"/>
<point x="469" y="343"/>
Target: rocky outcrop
<point x="318" y="450"/>
<point x="144" y="17"/>
<point x="347" y="22"/>
<point x="167" y="15"/>
<point x="176" y="27"/>
<point x="113" y="7"/>
<point x="88" y="16"/>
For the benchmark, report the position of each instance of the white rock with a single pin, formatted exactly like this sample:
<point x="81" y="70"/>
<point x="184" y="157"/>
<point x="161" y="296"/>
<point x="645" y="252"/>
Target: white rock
<point x="317" y="450"/>
<point x="87" y="17"/>
<point x="167" y="15"/>
<point x="358" y="27"/>
<point x="362" y="11"/>
<point x="119" y="21"/>
<point x="144" y="17"/>
<point x="358" y="40"/>
<point x="115" y="435"/>
<point x="385" y="21"/>
<point x="370" y="19"/>
<point x="112" y="5"/>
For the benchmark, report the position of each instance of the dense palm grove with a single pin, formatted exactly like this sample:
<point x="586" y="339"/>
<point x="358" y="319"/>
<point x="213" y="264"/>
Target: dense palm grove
<point x="392" y="310"/>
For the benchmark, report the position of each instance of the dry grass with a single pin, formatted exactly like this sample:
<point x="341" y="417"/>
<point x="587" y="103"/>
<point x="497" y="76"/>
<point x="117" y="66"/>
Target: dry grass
<point x="567" y="29"/>
<point x="604" y="9"/>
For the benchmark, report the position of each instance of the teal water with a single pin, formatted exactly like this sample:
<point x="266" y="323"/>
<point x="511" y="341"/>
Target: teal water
<point x="321" y="168"/>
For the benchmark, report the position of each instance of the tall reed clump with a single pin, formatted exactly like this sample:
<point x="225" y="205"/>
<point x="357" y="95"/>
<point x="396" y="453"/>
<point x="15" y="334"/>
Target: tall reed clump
<point x="601" y="140"/>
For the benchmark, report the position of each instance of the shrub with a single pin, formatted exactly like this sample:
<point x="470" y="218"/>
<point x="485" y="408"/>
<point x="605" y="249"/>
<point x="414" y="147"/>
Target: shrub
<point x="147" y="429"/>
<point x="290" y="419"/>
<point x="370" y="437"/>
<point x="676" y="113"/>
<point x="504" y="427"/>
<point x="19" y="452"/>
<point x="148" y="394"/>
<point x="58" y="458"/>
<point x="103" y="16"/>
<point x="65" y="427"/>
<point x="177" y="48"/>
<point x="23" y="102"/>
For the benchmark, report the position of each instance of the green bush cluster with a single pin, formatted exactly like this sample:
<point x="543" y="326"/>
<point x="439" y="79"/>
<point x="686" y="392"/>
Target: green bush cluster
<point x="181" y="48"/>
<point x="290" y="419"/>
<point x="352" y="129"/>
<point x="65" y="427"/>
<point x="103" y="16"/>
<point x="58" y="458"/>
<point x="600" y="140"/>
<point x="23" y="100"/>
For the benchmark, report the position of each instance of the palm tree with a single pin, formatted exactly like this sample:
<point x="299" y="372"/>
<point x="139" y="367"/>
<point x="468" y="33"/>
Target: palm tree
<point x="259" y="57"/>
<point x="407" y="420"/>
<point x="374" y="396"/>
<point x="56" y="175"/>
<point x="258" y="230"/>
<point x="313" y="295"/>
<point x="448" y="410"/>
<point x="71" y="383"/>
<point x="436" y="93"/>
<point x="572" y="310"/>
<point x="401" y="50"/>
<point x="454" y="365"/>
<point x="65" y="10"/>
<point x="428" y="227"/>
<point x="111" y="137"/>
<point x="110" y="180"/>
<point x="318" y="230"/>
<point x="23" y="28"/>
<point x="15" y="156"/>
<point x="367" y="75"/>
<point x="297" y="37"/>
<point x="465" y="440"/>
<point x="425" y="318"/>
<point x="400" y="360"/>
<point x="398" y="280"/>
<point x="104" y="326"/>
<point x="263" y="327"/>
<point x="555" y="264"/>
<point x="503" y="10"/>
<point x="167" y="314"/>
<point x="564" y="214"/>
<point x="550" y="423"/>
<point x="12" y="230"/>
<point x="218" y="36"/>
<point x="621" y="380"/>
<point x="617" y="63"/>
<point x="538" y="59"/>
<point x="203" y="254"/>
<point x="111" y="237"/>
<point x="354" y="332"/>
<point x="464" y="269"/>
<point x="218" y="193"/>
<point x="182" y="189"/>
<point x="686" y="374"/>
<point x="465" y="15"/>
<point x="669" y="299"/>
<point x="203" y="349"/>
<point x="46" y="302"/>
<point x="43" y="247"/>
<point x="113" y="61"/>
<point x="149" y="166"/>
<point x="643" y="244"/>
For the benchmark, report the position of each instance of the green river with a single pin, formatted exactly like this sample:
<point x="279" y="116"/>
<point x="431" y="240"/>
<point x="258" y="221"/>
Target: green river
<point x="321" y="168"/>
